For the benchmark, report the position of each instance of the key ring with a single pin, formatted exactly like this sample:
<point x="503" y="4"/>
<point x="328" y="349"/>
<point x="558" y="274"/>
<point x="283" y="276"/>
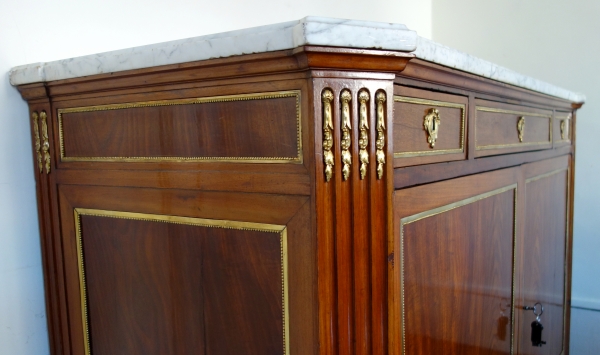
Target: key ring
<point x="537" y="316"/>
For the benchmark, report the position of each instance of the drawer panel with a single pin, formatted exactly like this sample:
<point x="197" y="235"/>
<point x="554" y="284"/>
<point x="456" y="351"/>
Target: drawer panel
<point x="503" y="128"/>
<point x="429" y="127"/>
<point x="562" y="128"/>
<point x="246" y="128"/>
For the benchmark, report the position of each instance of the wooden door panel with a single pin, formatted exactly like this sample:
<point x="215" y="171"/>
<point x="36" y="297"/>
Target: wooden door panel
<point x="165" y="280"/>
<point x="453" y="263"/>
<point x="543" y="254"/>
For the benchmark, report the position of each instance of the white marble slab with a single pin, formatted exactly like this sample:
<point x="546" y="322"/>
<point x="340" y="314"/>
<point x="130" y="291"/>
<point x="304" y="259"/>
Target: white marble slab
<point x="318" y="31"/>
<point x="437" y="53"/>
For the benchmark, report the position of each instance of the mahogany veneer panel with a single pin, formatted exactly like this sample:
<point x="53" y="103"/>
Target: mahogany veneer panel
<point x="259" y="128"/>
<point x="164" y="288"/>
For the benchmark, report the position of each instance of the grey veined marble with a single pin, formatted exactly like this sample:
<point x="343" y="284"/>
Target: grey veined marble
<point x="319" y="31"/>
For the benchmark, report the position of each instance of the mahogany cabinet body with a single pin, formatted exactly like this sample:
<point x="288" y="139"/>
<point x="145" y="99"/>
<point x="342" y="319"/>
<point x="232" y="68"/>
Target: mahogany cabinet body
<point x="299" y="202"/>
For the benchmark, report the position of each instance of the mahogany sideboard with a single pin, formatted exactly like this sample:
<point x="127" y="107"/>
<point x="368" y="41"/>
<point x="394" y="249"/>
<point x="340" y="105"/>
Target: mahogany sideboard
<point x="310" y="200"/>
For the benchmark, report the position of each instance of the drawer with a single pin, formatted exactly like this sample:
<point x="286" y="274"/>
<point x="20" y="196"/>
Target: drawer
<point x="503" y="128"/>
<point x="562" y="128"/>
<point x="429" y="127"/>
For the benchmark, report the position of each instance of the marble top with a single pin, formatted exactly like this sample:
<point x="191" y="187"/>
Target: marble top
<point x="319" y="31"/>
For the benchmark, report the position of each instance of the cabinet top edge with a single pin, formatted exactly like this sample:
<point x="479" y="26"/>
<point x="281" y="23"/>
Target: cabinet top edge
<point x="308" y="31"/>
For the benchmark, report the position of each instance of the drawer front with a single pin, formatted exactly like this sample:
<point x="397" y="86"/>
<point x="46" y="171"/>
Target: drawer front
<point x="503" y="128"/>
<point x="562" y="128"/>
<point x="429" y="127"/>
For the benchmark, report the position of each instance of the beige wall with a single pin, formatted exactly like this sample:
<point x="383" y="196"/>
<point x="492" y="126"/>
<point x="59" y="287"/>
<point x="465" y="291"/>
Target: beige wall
<point x="34" y="31"/>
<point x="557" y="41"/>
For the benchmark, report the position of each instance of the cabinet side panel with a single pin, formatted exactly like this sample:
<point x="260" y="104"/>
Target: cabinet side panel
<point x="158" y="288"/>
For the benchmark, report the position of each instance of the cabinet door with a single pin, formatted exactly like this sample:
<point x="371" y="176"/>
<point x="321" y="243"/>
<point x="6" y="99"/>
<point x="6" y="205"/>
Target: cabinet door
<point x="163" y="271"/>
<point x="543" y="254"/>
<point x="453" y="252"/>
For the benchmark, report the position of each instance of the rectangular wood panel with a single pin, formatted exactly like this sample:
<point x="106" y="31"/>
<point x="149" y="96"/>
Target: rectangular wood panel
<point x="250" y="128"/>
<point x="155" y="284"/>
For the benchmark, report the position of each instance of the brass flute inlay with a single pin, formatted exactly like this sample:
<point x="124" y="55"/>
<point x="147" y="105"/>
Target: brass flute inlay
<point x="327" y="98"/>
<point x="45" y="141"/>
<point x="380" y="142"/>
<point x="192" y="221"/>
<point x="521" y="127"/>
<point x="36" y="134"/>
<point x="431" y="123"/>
<point x="345" y="98"/>
<point x="363" y="139"/>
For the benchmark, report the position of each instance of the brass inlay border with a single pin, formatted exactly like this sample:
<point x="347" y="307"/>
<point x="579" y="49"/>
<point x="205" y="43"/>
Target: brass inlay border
<point x="380" y="142"/>
<point x="518" y="113"/>
<point x="346" y="140"/>
<point x="439" y="210"/>
<point x="363" y="126"/>
<point x="298" y="159"/>
<point x="462" y="107"/>
<point x="567" y="238"/>
<point x="327" y="98"/>
<point x="200" y="222"/>
<point x="36" y="137"/>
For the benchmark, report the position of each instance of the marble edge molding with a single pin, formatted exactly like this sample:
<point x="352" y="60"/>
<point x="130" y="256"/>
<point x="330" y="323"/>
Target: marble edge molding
<point x="437" y="53"/>
<point x="319" y="31"/>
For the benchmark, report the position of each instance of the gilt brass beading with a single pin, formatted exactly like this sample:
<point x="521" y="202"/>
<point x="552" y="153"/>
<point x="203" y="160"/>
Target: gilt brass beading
<point x="327" y="97"/>
<point x="363" y="139"/>
<point x="380" y="142"/>
<point x="345" y="99"/>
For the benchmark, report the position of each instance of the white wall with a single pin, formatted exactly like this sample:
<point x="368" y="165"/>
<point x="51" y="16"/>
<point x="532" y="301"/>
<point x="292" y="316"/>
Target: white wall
<point x="557" y="41"/>
<point x="34" y="31"/>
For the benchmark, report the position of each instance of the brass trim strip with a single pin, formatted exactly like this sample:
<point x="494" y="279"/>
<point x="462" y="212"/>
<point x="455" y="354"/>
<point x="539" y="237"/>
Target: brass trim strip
<point x="328" y="160"/>
<point x="433" y="212"/>
<point x="380" y="142"/>
<point x="518" y="113"/>
<point x="45" y="141"/>
<point x="462" y="107"/>
<point x="363" y="140"/>
<point x="200" y="222"/>
<point x="567" y="238"/>
<point x="346" y="140"/>
<point x="37" y="142"/>
<point x="298" y="159"/>
<point x="514" y="274"/>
